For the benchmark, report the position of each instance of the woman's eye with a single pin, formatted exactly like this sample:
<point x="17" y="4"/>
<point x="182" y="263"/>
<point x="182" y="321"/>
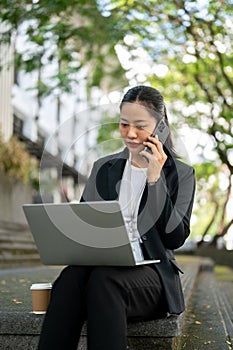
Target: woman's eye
<point x="124" y="125"/>
<point x="139" y="127"/>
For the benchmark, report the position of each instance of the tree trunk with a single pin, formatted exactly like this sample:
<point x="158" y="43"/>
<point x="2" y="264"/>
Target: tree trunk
<point x="209" y="224"/>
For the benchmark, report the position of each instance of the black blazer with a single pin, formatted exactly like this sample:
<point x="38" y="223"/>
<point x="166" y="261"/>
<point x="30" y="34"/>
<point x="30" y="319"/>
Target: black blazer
<point x="163" y="216"/>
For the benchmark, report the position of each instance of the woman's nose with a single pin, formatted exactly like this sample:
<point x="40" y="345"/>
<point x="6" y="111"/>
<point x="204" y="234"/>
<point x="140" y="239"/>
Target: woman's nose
<point x="132" y="132"/>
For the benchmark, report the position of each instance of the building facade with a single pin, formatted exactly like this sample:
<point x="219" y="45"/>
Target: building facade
<point x="6" y="83"/>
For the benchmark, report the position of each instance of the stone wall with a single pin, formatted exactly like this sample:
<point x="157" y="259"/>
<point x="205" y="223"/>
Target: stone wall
<point x="13" y="194"/>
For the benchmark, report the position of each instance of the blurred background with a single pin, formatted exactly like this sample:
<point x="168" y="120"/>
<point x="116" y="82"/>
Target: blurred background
<point x="65" y="66"/>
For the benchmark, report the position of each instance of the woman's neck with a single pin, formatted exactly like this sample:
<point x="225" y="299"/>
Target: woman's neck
<point x="138" y="161"/>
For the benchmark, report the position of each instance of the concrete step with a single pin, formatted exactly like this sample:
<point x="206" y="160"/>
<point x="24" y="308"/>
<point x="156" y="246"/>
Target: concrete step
<point x="12" y="225"/>
<point x="209" y="316"/>
<point x="16" y="245"/>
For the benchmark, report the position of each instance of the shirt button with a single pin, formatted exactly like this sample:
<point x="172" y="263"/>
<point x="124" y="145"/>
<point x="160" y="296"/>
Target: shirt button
<point x="144" y="237"/>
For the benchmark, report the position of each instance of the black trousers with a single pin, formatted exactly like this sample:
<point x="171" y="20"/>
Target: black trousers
<point x="107" y="297"/>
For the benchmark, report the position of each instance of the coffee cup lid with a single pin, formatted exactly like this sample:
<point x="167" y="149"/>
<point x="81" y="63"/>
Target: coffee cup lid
<point x="40" y="286"/>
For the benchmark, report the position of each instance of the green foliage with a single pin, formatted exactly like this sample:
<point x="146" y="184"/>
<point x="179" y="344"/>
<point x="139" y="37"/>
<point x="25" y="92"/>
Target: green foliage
<point x="69" y="34"/>
<point x="109" y="139"/>
<point x="203" y="213"/>
<point x="205" y="170"/>
<point x="211" y="198"/>
<point x="16" y="162"/>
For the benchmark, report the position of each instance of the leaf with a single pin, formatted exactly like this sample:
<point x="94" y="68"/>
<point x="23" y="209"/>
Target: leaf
<point x="15" y="301"/>
<point x="197" y="322"/>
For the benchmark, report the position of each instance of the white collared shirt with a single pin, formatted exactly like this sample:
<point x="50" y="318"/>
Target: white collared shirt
<point x="131" y="190"/>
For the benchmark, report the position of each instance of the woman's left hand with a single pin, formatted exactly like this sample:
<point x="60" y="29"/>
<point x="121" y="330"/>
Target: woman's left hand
<point x="156" y="160"/>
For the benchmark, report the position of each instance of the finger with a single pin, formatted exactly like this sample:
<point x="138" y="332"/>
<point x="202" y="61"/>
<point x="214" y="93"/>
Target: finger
<point x="152" y="146"/>
<point x="155" y="140"/>
<point x="155" y="156"/>
<point x="148" y="157"/>
<point x="158" y="143"/>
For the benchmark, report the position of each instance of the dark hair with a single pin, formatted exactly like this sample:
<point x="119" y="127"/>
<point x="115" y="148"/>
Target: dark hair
<point x="153" y="101"/>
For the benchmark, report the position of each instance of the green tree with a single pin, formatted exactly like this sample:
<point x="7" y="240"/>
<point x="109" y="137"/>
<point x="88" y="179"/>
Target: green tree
<point x="70" y="34"/>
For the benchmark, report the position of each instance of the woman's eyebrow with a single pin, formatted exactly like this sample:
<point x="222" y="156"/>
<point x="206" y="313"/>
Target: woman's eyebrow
<point x="135" y="121"/>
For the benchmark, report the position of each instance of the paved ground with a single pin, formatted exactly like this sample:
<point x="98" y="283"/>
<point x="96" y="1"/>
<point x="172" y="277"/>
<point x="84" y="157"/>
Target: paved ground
<point x="209" y="321"/>
<point x="15" y="294"/>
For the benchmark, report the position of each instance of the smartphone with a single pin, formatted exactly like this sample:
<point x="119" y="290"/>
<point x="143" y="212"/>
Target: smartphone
<point x="162" y="131"/>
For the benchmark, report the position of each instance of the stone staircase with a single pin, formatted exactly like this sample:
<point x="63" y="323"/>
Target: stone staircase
<point x="16" y="245"/>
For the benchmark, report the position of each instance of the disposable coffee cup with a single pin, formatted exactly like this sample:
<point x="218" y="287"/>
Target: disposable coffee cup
<point x="40" y="297"/>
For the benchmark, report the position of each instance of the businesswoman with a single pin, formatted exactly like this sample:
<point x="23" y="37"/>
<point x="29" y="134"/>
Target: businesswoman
<point x="155" y="191"/>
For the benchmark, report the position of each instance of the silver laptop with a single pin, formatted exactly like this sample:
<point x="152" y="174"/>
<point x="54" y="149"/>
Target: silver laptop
<point x="86" y="233"/>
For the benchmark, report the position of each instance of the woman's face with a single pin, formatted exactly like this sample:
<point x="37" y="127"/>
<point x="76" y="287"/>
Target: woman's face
<point x="136" y="124"/>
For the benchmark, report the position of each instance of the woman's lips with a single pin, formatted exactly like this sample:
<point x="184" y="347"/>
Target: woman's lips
<point x="133" y="144"/>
